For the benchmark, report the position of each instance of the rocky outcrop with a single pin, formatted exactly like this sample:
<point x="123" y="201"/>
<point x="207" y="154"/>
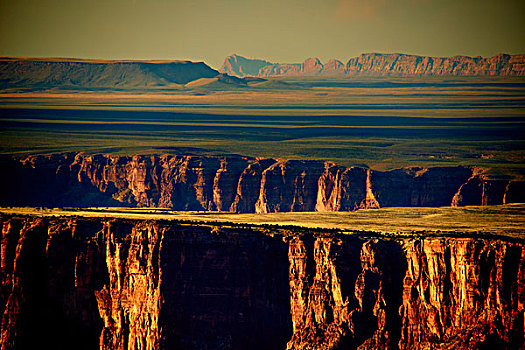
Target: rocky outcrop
<point x="239" y="66"/>
<point x="488" y="191"/>
<point x="464" y="293"/>
<point x="407" y="294"/>
<point x="418" y="187"/>
<point x="289" y="186"/>
<point x="138" y="284"/>
<point x="344" y="189"/>
<point x="377" y="64"/>
<point x="513" y="192"/>
<point x="240" y="184"/>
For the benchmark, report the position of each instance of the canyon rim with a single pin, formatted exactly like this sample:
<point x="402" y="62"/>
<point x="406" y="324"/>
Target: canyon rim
<point x="278" y="175"/>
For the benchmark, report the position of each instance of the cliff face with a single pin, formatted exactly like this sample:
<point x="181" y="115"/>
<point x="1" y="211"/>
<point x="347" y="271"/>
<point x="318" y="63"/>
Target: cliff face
<point x="410" y="65"/>
<point x="239" y="66"/>
<point x="140" y="285"/>
<point x="376" y="64"/>
<point x="239" y="184"/>
<point x="407" y="294"/>
<point x="88" y="283"/>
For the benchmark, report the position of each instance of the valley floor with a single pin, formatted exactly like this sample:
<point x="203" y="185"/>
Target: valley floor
<point x="501" y="220"/>
<point x="385" y="123"/>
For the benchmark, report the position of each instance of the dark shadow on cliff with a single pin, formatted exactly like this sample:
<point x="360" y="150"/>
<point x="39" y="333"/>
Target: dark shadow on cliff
<point x="47" y="296"/>
<point x="224" y="290"/>
<point x="50" y="184"/>
<point x="383" y="277"/>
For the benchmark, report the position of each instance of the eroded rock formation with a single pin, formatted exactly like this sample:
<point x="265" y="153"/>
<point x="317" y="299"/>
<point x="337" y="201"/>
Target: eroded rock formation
<point x="137" y="284"/>
<point x="140" y="285"/>
<point x="379" y="64"/>
<point x="240" y="184"/>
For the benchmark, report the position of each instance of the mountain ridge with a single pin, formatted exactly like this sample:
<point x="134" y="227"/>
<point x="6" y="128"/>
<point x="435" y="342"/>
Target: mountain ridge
<point x="381" y="64"/>
<point x="48" y="72"/>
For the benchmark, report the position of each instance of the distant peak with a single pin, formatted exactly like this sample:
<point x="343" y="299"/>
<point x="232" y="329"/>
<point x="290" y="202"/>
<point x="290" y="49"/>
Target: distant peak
<point x="381" y="64"/>
<point x="334" y="61"/>
<point x="312" y="59"/>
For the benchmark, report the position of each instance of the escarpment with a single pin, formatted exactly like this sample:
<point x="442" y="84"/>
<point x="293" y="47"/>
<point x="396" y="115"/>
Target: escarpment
<point x="240" y="184"/>
<point x="141" y="284"/>
<point x="381" y="64"/>
<point x="110" y="284"/>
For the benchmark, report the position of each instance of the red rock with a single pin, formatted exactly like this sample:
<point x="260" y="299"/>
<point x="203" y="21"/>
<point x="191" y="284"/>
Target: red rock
<point x="240" y="184"/>
<point x="377" y="64"/>
<point x="515" y="192"/>
<point x="115" y="284"/>
<point x="289" y="186"/>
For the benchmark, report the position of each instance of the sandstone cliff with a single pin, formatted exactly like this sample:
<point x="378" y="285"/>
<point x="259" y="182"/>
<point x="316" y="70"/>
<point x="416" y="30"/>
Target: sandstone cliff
<point x="240" y="184"/>
<point x="406" y="294"/>
<point x="377" y="64"/>
<point x="122" y="284"/>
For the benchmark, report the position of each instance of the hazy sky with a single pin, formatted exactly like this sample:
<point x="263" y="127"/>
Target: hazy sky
<point x="277" y="30"/>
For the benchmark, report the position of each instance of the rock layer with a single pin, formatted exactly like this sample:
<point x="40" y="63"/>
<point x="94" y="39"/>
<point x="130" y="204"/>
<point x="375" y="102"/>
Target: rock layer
<point x="140" y="285"/>
<point x="378" y="64"/>
<point x="123" y="284"/>
<point x="240" y="184"/>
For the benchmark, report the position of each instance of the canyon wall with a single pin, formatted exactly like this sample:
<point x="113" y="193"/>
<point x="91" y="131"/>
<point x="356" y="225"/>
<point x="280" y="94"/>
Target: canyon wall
<point x="82" y="283"/>
<point x="141" y="284"/>
<point x="378" y="64"/>
<point x="240" y="184"/>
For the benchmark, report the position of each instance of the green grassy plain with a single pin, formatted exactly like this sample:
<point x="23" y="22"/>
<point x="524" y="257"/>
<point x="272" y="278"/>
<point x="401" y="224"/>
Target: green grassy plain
<point x="501" y="220"/>
<point x="383" y="123"/>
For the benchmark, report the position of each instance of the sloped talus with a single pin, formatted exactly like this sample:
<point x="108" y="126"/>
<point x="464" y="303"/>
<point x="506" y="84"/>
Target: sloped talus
<point x="16" y="72"/>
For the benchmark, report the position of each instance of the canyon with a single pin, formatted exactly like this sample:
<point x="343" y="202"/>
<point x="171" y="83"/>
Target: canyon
<point x="241" y="184"/>
<point x="111" y="283"/>
<point x="381" y="64"/>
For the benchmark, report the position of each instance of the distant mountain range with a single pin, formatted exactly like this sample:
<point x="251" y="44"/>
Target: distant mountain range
<point x="29" y="74"/>
<point x="376" y="64"/>
<point x="67" y="73"/>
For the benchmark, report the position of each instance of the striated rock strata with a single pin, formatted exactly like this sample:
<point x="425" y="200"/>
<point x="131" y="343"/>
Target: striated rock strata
<point x="380" y="64"/>
<point x="122" y="284"/>
<point x="79" y="283"/>
<point x="240" y="184"/>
